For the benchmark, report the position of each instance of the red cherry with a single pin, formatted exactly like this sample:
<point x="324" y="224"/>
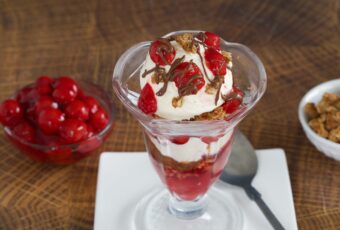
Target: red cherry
<point x="235" y="93"/>
<point x="81" y="95"/>
<point x="231" y="105"/>
<point x="66" y="82"/>
<point x="77" y="110"/>
<point x="31" y="114"/>
<point x="99" y="120"/>
<point x="44" y="85"/>
<point x="90" y="131"/>
<point x="65" y="90"/>
<point x="210" y="139"/>
<point x="23" y="93"/>
<point x="24" y="131"/>
<point x="64" y="95"/>
<point x="50" y="140"/>
<point x="10" y="112"/>
<point x="238" y="92"/>
<point x="73" y="130"/>
<point x="188" y="73"/>
<point x="91" y="103"/>
<point x="26" y="96"/>
<point x="215" y="62"/>
<point x="50" y="119"/>
<point x="234" y="100"/>
<point x="180" y="140"/>
<point x="211" y="40"/>
<point x="147" y="100"/>
<point x="162" y="52"/>
<point x="89" y="144"/>
<point x="44" y="102"/>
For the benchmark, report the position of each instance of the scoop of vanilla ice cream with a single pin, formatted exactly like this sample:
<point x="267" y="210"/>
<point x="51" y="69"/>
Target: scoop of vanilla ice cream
<point x="194" y="104"/>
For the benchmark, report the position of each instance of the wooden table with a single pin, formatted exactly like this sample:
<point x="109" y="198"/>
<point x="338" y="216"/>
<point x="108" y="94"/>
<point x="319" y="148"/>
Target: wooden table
<point x="298" y="42"/>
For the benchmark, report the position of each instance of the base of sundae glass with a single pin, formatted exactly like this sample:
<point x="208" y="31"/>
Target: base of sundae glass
<point x="220" y="213"/>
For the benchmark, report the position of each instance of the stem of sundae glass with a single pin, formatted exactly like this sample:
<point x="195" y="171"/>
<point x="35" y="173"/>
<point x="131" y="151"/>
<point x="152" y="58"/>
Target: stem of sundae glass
<point x="187" y="209"/>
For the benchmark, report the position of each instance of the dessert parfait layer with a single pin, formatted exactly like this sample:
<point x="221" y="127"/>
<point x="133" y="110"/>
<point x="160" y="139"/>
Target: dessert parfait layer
<point x="191" y="179"/>
<point x="189" y="78"/>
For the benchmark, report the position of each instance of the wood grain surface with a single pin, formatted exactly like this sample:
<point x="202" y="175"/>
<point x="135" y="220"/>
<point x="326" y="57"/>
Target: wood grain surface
<point x="298" y="42"/>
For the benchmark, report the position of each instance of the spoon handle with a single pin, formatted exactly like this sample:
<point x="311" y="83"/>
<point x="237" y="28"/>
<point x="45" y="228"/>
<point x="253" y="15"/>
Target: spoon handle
<point x="256" y="196"/>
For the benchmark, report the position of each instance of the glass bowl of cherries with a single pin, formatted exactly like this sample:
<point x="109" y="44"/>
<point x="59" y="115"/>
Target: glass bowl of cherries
<point x="58" y="120"/>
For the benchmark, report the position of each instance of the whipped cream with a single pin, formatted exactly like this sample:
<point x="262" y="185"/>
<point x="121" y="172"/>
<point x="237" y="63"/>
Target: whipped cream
<point x="194" y="104"/>
<point x="191" y="151"/>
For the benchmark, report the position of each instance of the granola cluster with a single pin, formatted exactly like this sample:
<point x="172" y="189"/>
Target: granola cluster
<point x="324" y="117"/>
<point x="186" y="40"/>
<point x="216" y="114"/>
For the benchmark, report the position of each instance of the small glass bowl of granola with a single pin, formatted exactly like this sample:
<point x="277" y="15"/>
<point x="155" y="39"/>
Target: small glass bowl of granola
<point x="319" y="115"/>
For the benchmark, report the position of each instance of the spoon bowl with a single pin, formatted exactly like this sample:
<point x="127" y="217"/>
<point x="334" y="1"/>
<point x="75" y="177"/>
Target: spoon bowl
<point x="241" y="170"/>
<point x="242" y="164"/>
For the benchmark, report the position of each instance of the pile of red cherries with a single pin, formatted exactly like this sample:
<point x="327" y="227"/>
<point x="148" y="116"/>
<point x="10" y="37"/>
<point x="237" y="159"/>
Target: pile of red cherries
<point x="53" y="112"/>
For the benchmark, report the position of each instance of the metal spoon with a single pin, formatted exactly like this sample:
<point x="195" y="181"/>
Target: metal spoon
<point x="240" y="171"/>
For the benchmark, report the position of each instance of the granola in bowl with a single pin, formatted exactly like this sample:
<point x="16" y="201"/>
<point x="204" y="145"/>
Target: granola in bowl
<point x="324" y="117"/>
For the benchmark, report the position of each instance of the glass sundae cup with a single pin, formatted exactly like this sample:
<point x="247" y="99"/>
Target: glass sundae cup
<point x="188" y="156"/>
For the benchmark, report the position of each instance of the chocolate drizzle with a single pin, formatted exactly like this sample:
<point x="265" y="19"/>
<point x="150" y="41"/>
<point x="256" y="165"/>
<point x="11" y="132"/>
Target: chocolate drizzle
<point x="165" y="46"/>
<point x="190" y="88"/>
<point x="218" y="94"/>
<point x="200" y="38"/>
<point x="217" y="84"/>
<point x="157" y="69"/>
<point x="201" y="58"/>
<point x="169" y="76"/>
<point x="171" y="38"/>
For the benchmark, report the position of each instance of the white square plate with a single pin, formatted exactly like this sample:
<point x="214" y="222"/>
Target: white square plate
<point x="125" y="177"/>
